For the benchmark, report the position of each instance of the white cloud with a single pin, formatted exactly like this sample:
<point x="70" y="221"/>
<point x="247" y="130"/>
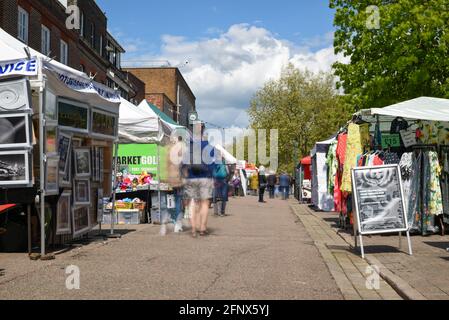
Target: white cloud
<point x="225" y="70"/>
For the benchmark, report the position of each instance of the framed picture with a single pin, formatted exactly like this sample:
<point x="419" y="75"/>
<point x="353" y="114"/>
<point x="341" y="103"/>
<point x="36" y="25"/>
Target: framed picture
<point x="65" y="151"/>
<point x="77" y="142"/>
<point x="15" y="168"/>
<point x="15" y="130"/>
<point x="82" y="162"/>
<point x="80" y="221"/>
<point x="52" y="176"/>
<point x="51" y="106"/>
<point x="64" y="214"/>
<point x="81" y="192"/>
<point x="51" y="139"/>
<point x="65" y="179"/>
<point x="73" y="116"/>
<point x="104" y="124"/>
<point x="15" y="95"/>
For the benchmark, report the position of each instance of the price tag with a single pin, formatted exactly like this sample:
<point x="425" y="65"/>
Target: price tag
<point x="408" y="138"/>
<point x="391" y="141"/>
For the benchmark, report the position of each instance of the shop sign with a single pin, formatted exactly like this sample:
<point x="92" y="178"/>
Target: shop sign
<point x="408" y="138"/>
<point x="391" y="141"/>
<point x="22" y="67"/>
<point x="135" y="159"/>
<point x="379" y="200"/>
<point x="84" y="85"/>
<point x="103" y="124"/>
<point x="73" y="116"/>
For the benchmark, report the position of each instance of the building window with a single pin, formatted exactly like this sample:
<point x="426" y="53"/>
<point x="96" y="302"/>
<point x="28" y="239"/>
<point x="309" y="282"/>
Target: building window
<point x="101" y="46"/>
<point x="45" y="47"/>
<point x="64" y="52"/>
<point x="92" y="35"/>
<point x="82" y="23"/>
<point x="82" y="68"/>
<point x="23" y="20"/>
<point x="117" y="60"/>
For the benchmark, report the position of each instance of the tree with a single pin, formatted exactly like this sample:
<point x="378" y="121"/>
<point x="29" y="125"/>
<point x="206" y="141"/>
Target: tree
<point x="303" y="106"/>
<point x="398" y="49"/>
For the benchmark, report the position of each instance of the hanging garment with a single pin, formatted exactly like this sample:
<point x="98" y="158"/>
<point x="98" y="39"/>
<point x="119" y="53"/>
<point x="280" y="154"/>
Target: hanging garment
<point x="414" y="190"/>
<point x="434" y="132"/>
<point x="341" y="155"/>
<point x="435" y="197"/>
<point x="358" y="140"/>
<point x="332" y="166"/>
<point x="391" y="158"/>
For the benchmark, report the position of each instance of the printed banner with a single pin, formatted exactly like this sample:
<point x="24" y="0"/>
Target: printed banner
<point x="22" y="67"/>
<point x="81" y="84"/>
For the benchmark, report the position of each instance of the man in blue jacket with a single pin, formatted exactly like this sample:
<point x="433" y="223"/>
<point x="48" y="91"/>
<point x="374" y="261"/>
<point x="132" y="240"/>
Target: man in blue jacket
<point x="284" y="183"/>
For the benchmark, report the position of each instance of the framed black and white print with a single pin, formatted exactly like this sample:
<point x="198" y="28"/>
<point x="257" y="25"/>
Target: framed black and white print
<point x="15" y="130"/>
<point x="65" y="151"/>
<point x="15" y="168"/>
<point x="82" y="162"/>
<point x="52" y="176"/>
<point x="65" y="179"/>
<point x="81" y="192"/>
<point x="81" y="221"/>
<point x="64" y="214"/>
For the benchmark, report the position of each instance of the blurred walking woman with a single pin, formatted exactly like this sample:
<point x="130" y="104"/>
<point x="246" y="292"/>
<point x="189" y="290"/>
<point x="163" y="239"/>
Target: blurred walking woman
<point x="262" y="184"/>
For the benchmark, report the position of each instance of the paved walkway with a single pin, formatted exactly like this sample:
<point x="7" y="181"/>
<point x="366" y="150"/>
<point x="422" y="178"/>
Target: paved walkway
<point x="355" y="277"/>
<point x="425" y="275"/>
<point x="261" y="251"/>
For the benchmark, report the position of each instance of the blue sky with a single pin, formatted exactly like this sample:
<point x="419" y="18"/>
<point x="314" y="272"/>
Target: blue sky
<point x="233" y="47"/>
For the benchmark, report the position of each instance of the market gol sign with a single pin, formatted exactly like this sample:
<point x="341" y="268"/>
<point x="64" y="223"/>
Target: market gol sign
<point x="22" y="67"/>
<point x="391" y="141"/>
<point x="379" y="200"/>
<point x="138" y="158"/>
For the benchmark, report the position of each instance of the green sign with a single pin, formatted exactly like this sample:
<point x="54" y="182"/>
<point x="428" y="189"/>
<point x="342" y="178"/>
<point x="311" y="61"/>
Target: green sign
<point x="391" y="141"/>
<point x="136" y="159"/>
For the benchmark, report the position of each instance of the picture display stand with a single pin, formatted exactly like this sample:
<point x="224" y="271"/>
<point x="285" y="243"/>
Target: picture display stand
<point x="378" y="199"/>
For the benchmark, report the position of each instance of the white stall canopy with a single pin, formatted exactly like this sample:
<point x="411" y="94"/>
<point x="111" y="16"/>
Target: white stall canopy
<point x="423" y="108"/>
<point x="138" y="126"/>
<point x="63" y="80"/>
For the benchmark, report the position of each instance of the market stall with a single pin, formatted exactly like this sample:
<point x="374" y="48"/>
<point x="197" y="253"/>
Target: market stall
<point x="303" y="185"/>
<point x="141" y="159"/>
<point x="412" y="135"/>
<point x="56" y="139"/>
<point x="321" y="197"/>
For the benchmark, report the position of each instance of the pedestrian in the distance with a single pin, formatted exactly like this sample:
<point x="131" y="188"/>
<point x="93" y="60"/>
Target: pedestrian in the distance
<point x="284" y="183"/>
<point x="236" y="182"/>
<point x="271" y="182"/>
<point x="221" y="176"/>
<point x="262" y="184"/>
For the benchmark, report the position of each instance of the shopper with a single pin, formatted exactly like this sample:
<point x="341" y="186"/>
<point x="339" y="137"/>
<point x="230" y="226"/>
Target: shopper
<point x="221" y="176"/>
<point x="271" y="182"/>
<point x="262" y="184"/>
<point x="284" y="183"/>
<point x="198" y="191"/>
<point x="174" y="179"/>
<point x="236" y="183"/>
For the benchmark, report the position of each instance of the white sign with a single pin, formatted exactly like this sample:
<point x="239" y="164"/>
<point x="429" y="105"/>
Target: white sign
<point x="408" y="138"/>
<point x="80" y="84"/>
<point x="22" y="67"/>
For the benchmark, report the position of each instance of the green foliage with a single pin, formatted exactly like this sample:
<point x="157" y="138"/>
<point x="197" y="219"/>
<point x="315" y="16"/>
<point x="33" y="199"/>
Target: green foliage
<point x="406" y="57"/>
<point x="304" y="107"/>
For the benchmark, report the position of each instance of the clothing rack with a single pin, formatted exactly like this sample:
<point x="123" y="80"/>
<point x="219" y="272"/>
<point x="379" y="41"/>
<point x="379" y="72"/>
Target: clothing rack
<point x="445" y="149"/>
<point x="425" y="147"/>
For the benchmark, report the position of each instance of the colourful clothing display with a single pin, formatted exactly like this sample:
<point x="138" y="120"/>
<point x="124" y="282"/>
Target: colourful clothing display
<point x="434" y="132"/>
<point x="332" y="166"/>
<point x="358" y="140"/>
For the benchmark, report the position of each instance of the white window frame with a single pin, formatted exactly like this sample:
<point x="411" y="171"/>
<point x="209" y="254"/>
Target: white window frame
<point x="64" y="52"/>
<point x="92" y="34"/>
<point x="82" y="24"/>
<point x="46" y="35"/>
<point x="101" y="46"/>
<point x="23" y="20"/>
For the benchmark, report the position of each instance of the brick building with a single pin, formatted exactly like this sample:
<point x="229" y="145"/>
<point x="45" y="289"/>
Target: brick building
<point x="41" y="24"/>
<point x="166" y="88"/>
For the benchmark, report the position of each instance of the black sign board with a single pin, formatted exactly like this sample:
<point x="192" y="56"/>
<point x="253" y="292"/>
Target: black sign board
<point x="379" y="201"/>
<point x="103" y="124"/>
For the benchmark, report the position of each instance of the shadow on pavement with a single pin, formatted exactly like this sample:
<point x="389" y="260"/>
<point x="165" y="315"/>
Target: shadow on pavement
<point x="439" y="245"/>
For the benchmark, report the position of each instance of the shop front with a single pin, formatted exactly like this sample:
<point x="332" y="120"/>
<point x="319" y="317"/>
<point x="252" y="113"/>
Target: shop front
<point x="57" y="133"/>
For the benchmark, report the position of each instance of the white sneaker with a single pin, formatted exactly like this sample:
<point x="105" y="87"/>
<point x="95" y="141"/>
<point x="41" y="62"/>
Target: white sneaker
<point x="178" y="227"/>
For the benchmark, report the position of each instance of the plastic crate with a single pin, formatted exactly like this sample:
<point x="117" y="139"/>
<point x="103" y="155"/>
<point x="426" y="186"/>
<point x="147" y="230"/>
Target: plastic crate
<point x="107" y="219"/>
<point x="139" y="206"/>
<point x="129" y="217"/>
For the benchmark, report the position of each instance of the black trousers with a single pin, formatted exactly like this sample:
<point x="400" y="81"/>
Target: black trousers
<point x="261" y="193"/>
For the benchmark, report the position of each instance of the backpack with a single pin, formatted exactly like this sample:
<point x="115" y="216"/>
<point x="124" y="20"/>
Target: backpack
<point x="220" y="172"/>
